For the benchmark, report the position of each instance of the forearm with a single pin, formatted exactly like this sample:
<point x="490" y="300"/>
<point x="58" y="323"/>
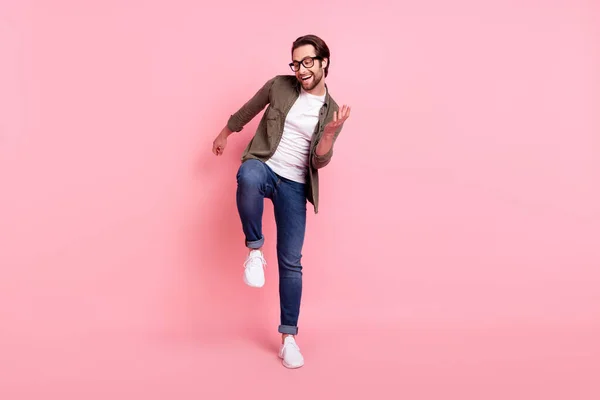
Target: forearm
<point x="325" y="145"/>
<point x="323" y="152"/>
<point x="226" y="131"/>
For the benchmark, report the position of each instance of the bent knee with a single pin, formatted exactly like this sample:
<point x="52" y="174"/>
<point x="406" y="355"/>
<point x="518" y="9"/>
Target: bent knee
<point x="251" y="172"/>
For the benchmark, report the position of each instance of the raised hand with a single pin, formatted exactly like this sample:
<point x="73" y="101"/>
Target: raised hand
<point x="339" y="117"/>
<point x="326" y="143"/>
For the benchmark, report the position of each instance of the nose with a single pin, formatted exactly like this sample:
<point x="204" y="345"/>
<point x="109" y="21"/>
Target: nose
<point x="302" y="68"/>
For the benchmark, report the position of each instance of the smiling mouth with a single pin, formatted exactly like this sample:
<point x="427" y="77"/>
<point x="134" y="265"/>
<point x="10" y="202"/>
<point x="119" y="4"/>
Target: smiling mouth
<point x="305" y="78"/>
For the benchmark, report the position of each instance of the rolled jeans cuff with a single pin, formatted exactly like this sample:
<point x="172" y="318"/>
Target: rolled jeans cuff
<point x="255" y="244"/>
<point x="288" y="329"/>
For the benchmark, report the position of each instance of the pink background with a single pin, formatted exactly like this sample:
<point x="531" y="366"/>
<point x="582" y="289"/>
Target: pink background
<point x="465" y="188"/>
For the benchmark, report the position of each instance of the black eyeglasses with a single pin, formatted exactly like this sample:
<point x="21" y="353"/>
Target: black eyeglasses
<point x="306" y="61"/>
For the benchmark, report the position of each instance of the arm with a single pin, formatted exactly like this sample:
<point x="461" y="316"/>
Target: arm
<point x="244" y="115"/>
<point x="249" y="110"/>
<point x="324" y="149"/>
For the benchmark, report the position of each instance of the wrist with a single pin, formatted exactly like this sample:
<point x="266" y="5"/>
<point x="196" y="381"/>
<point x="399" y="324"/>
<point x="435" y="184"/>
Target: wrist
<point x="327" y="136"/>
<point x="226" y="132"/>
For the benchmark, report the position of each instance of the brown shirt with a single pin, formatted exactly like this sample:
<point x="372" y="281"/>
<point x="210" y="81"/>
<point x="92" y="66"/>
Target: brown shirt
<point x="280" y="93"/>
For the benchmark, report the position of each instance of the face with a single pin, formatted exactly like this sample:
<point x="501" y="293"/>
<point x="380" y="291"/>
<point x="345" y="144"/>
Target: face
<point x="311" y="78"/>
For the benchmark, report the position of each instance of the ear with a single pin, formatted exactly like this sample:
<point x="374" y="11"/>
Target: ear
<point x="325" y="63"/>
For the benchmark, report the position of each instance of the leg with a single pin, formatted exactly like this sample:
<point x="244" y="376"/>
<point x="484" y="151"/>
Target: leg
<point x="254" y="184"/>
<point x="289" y="201"/>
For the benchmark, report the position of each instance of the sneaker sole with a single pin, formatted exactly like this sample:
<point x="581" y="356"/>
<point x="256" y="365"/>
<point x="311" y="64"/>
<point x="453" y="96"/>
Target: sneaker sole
<point x="291" y="366"/>
<point x="251" y="285"/>
<point x="288" y="365"/>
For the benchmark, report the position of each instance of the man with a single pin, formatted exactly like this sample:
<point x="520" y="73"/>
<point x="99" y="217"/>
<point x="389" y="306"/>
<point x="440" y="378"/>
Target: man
<point x="294" y="139"/>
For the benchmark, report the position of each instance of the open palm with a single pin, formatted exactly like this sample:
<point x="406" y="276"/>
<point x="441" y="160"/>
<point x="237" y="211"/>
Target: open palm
<point x="339" y="117"/>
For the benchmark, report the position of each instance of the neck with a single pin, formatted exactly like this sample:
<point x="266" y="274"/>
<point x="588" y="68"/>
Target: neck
<point x="318" y="90"/>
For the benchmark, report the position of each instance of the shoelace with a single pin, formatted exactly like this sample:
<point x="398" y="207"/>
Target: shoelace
<point x="251" y="258"/>
<point x="292" y="344"/>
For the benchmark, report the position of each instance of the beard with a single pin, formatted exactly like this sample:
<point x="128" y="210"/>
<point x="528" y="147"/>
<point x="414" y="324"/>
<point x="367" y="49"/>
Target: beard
<point x="311" y="83"/>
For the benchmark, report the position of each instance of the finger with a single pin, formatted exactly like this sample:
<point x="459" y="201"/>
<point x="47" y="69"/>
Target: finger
<point x="343" y="113"/>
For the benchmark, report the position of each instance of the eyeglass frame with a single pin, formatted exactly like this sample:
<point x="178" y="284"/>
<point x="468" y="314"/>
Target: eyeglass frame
<point x="302" y="62"/>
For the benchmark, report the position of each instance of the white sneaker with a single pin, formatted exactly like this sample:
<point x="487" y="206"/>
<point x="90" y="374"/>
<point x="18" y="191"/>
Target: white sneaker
<point x="254" y="274"/>
<point x="290" y="353"/>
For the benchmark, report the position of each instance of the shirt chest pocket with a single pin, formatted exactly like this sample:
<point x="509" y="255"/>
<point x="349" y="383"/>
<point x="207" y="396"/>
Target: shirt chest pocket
<point x="272" y="121"/>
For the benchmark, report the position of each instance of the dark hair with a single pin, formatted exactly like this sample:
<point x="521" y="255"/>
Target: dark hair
<point x="321" y="49"/>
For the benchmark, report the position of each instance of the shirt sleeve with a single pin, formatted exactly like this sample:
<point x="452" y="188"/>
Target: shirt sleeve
<point x="251" y="108"/>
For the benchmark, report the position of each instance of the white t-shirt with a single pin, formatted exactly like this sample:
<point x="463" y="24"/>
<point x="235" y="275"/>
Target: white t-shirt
<point x="291" y="156"/>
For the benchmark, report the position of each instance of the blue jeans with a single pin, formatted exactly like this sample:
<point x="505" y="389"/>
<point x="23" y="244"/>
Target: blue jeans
<point x="255" y="182"/>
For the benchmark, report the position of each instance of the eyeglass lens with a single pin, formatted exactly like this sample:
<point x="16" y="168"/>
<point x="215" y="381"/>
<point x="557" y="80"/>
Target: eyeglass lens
<point x="307" y="62"/>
